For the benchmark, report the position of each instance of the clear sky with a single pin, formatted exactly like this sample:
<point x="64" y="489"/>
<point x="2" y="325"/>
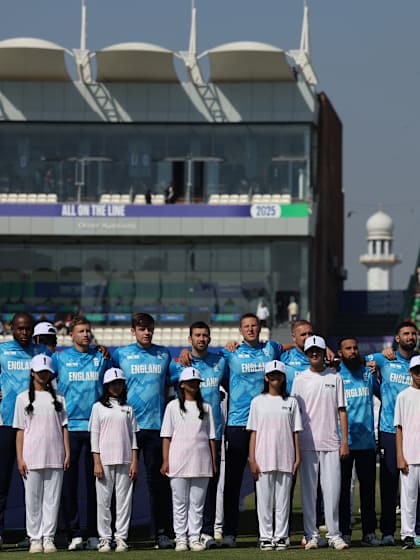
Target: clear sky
<point x="365" y="53"/>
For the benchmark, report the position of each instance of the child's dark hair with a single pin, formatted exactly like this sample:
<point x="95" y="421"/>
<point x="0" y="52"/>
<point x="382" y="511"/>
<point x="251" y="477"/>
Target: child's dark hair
<point x="30" y="408"/>
<point x="283" y="388"/>
<point x="104" y="398"/>
<point x="198" y="400"/>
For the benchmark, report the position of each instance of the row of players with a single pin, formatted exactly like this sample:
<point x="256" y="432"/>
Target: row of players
<point x="148" y="370"/>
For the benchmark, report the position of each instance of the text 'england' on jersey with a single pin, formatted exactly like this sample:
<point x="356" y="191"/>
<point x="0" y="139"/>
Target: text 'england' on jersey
<point x="147" y="373"/>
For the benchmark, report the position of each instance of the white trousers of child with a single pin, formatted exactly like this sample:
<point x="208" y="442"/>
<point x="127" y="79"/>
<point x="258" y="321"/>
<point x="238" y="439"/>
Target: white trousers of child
<point x="219" y="518"/>
<point x="273" y="489"/>
<point x="42" y="499"/>
<point x="114" y="476"/>
<point x="328" y="464"/>
<point x="410" y="485"/>
<point x="188" y="497"/>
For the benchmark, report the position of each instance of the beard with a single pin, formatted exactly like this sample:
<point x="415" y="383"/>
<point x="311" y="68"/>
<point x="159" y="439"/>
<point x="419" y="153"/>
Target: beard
<point x="353" y="364"/>
<point x="407" y="346"/>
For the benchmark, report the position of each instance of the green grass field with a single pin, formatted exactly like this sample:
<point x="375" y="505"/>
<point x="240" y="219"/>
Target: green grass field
<point x="141" y="547"/>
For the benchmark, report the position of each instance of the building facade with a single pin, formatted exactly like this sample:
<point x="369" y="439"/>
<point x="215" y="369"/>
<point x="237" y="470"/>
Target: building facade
<point x="252" y="152"/>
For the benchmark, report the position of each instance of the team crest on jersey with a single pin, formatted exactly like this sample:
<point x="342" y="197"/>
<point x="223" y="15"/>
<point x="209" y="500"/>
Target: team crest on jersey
<point x="365" y="376"/>
<point x="266" y="352"/>
<point x="96" y="362"/>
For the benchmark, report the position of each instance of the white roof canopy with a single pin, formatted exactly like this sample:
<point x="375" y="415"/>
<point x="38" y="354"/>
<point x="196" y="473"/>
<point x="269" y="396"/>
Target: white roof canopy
<point x="135" y="62"/>
<point x="249" y="62"/>
<point x="27" y="59"/>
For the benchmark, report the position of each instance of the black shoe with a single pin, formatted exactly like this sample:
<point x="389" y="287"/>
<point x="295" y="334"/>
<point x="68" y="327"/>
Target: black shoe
<point x="24" y="544"/>
<point x="408" y="542"/>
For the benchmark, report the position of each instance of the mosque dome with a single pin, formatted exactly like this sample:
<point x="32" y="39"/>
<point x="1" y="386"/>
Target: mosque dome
<point x="380" y="225"/>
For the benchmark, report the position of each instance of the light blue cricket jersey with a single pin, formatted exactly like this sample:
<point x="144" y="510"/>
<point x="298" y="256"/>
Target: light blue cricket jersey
<point x="358" y="387"/>
<point x="15" y="362"/>
<point x="296" y="361"/>
<point x="79" y="379"/>
<point x="246" y="377"/>
<point x="395" y="377"/>
<point x="212" y="369"/>
<point x="147" y="372"/>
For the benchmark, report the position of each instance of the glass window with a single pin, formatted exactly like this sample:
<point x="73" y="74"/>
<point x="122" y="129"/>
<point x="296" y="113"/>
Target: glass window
<point x="91" y="159"/>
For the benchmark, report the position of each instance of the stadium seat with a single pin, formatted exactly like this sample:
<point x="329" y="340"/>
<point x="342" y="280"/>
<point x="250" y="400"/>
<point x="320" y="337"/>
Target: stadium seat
<point x="214" y="199"/>
<point x="139" y="199"/>
<point x="158" y="199"/>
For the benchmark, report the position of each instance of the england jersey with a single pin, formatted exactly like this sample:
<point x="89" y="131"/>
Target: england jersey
<point x="212" y="369"/>
<point x="15" y="366"/>
<point x="147" y="373"/>
<point x="246" y="377"/>
<point x="358" y="388"/>
<point x="395" y="377"/>
<point x="80" y="377"/>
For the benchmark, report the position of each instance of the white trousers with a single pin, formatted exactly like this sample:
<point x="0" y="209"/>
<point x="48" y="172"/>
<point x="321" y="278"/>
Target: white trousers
<point x="188" y="497"/>
<point x="42" y="499"/>
<point x="328" y="464"/>
<point x="410" y="484"/>
<point x="219" y="519"/>
<point x="115" y="476"/>
<point x="273" y="489"/>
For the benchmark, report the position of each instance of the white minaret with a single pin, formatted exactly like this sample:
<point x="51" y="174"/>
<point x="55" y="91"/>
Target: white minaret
<point x="379" y="259"/>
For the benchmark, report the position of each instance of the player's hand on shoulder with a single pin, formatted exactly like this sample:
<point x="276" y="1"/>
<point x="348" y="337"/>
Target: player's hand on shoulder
<point x="231" y="345"/>
<point x="104" y="351"/>
<point x="389" y="353"/>
<point x="185" y="357"/>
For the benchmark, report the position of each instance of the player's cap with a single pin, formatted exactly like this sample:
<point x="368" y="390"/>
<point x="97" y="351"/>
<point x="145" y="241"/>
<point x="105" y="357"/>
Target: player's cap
<point x="190" y="373"/>
<point x="274" y="365"/>
<point x="45" y="328"/>
<point x="314" y="340"/>
<point x="112" y="374"/>
<point x="41" y="362"/>
<point x="415" y="362"/>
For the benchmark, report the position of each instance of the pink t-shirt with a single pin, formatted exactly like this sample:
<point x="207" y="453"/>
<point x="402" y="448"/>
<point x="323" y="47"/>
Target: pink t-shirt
<point x="274" y="420"/>
<point x="43" y="446"/>
<point x="319" y="396"/>
<point x="113" y="432"/>
<point x="189" y="452"/>
<point x="407" y="415"/>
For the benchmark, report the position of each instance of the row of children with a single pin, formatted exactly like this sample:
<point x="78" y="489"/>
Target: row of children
<point x="189" y="454"/>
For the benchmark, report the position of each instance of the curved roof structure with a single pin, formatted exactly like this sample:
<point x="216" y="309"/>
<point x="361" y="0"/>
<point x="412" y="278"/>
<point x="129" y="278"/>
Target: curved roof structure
<point x="379" y="225"/>
<point x="28" y="59"/>
<point x="135" y="62"/>
<point x="249" y="62"/>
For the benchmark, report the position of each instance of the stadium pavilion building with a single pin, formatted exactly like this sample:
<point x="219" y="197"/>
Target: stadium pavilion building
<point x="254" y="154"/>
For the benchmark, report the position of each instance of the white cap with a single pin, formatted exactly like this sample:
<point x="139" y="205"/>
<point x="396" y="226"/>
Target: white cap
<point x="41" y="362"/>
<point x="275" y="365"/>
<point x="415" y="362"/>
<point x="112" y="374"/>
<point x="190" y="373"/>
<point x="44" y="328"/>
<point x="314" y="340"/>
